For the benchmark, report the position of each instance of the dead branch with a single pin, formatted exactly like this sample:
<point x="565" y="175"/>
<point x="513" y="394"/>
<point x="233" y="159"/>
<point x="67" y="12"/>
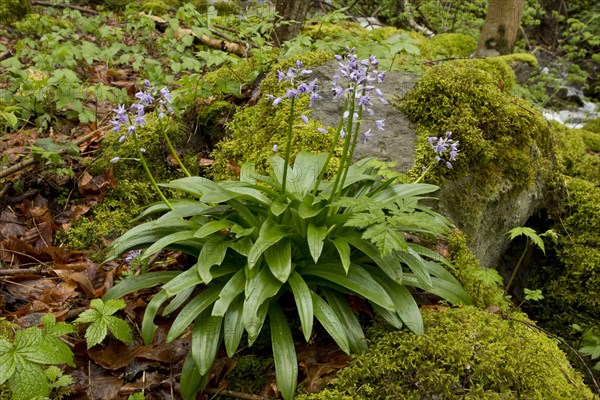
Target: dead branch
<point x="48" y="4"/>
<point x="30" y="161"/>
<point x="411" y="21"/>
<point x="239" y="49"/>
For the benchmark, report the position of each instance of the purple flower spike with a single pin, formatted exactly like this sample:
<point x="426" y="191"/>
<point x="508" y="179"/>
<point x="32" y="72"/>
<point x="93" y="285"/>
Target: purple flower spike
<point x="444" y="147"/>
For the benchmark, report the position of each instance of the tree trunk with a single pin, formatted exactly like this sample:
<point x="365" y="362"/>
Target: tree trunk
<point x="293" y="12"/>
<point x="500" y="29"/>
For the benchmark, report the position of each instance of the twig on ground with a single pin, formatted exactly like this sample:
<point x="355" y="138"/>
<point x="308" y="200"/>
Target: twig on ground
<point x="48" y="4"/>
<point x="30" y="161"/>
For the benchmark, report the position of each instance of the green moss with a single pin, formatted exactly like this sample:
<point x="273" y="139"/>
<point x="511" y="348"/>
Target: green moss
<point x="472" y="276"/>
<point x="254" y="130"/>
<point x="454" y="45"/>
<point x="250" y="374"/>
<point x="464" y="353"/>
<point x="504" y="144"/>
<point x="593" y="126"/>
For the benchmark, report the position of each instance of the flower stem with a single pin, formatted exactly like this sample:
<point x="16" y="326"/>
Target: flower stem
<point x="344" y="162"/>
<point x="145" y="165"/>
<point x="424" y="173"/>
<point x="514" y="273"/>
<point x="288" y="147"/>
<point x="334" y="144"/>
<point x="172" y="149"/>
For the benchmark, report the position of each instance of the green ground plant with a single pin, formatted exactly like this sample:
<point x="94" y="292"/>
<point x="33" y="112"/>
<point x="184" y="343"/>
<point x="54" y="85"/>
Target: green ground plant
<point x="293" y="232"/>
<point x="24" y="357"/>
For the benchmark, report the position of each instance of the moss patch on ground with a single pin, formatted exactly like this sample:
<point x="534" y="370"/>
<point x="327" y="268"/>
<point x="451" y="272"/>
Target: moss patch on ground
<point x="464" y="353"/>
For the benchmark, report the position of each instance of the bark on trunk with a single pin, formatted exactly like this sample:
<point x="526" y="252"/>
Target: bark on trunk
<point x="500" y="29"/>
<point x="294" y="12"/>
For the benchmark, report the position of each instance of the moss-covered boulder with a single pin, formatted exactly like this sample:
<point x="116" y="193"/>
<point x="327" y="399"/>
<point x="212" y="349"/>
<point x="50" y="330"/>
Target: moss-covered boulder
<point x="499" y="179"/>
<point x="465" y="353"/>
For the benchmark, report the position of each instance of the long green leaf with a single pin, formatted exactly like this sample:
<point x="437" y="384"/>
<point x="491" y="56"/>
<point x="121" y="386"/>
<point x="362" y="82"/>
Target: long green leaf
<point x="390" y="264"/>
<point x="284" y="353"/>
<point x="194" y="185"/>
<point x="191" y="380"/>
<point x="212" y="227"/>
<point x="315" y="237"/>
<point x="183" y="281"/>
<point x="405" y="304"/>
<point x="270" y="233"/>
<point x="279" y="259"/>
<point x="192" y="309"/>
<point x="417" y="266"/>
<point x="356" y="337"/>
<point x="343" y="249"/>
<point x="233" y="326"/>
<point x="331" y="322"/>
<point x="262" y="287"/>
<point x="178" y="300"/>
<point x="450" y="291"/>
<point x="167" y="240"/>
<point x="134" y="283"/>
<point x="213" y="253"/>
<point x="148" y="326"/>
<point x="306" y="170"/>
<point x="206" y="335"/>
<point x="357" y="280"/>
<point x="304" y="304"/>
<point x="234" y="286"/>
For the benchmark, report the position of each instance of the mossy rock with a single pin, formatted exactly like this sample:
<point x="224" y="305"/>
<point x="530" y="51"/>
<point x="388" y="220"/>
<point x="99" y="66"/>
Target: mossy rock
<point x="454" y="44"/>
<point x="499" y="177"/>
<point x="593" y="126"/>
<point x="464" y="353"/>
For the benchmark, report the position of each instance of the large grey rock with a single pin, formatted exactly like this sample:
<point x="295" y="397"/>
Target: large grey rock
<point x="486" y="217"/>
<point x="397" y="142"/>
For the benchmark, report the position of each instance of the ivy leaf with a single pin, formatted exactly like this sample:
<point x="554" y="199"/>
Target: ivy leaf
<point x="102" y="319"/>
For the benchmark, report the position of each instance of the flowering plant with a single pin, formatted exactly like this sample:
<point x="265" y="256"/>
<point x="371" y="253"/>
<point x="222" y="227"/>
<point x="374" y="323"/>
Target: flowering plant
<point x="293" y="231"/>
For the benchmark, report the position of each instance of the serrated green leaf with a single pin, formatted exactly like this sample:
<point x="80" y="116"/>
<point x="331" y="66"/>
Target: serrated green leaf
<point x="88" y="316"/>
<point x="385" y="238"/>
<point x="112" y="306"/>
<point x="529" y="233"/>
<point x="95" y="333"/>
<point x="206" y="334"/>
<point x="120" y="329"/>
<point x="7" y="360"/>
<point x="284" y="353"/>
<point x="29" y="381"/>
<point x="304" y="303"/>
